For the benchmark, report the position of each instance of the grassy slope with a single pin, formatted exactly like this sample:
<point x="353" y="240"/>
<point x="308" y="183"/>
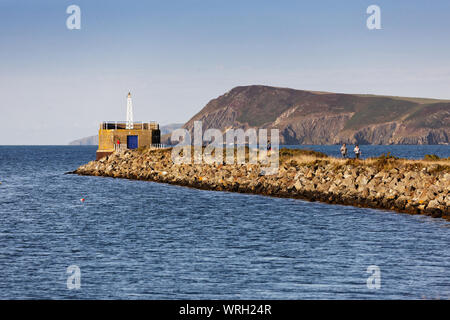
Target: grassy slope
<point x="410" y="99"/>
<point x="436" y="115"/>
<point x="380" y="110"/>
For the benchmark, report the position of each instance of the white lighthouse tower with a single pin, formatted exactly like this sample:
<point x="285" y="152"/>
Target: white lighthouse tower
<point x="129" y="112"/>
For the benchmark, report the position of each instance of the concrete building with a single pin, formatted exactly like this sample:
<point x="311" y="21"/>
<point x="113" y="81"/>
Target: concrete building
<point x="115" y="136"/>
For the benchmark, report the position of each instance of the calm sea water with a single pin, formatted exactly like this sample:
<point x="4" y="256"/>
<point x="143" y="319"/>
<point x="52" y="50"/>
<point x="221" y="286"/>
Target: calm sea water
<point x="368" y="151"/>
<point x="143" y="240"/>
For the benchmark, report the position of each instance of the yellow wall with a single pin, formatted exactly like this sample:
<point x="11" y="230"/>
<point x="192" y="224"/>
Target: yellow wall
<point x="107" y="138"/>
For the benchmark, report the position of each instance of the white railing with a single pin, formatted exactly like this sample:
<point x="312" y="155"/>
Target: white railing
<point x="159" y="146"/>
<point x="138" y="125"/>
<point x="120" y="147"/>
<point x="123" y="146"/>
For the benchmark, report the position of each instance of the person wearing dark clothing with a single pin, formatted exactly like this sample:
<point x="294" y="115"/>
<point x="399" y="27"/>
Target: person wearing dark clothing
<point x="344" y="151"/>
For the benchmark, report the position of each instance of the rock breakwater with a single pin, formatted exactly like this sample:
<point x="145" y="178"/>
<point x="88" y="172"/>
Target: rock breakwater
<point x="412" y="186"/>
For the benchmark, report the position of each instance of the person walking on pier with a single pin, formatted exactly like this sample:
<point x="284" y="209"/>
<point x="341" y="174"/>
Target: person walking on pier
<point x="344" y="151"/>
<point x="357" y="151"/>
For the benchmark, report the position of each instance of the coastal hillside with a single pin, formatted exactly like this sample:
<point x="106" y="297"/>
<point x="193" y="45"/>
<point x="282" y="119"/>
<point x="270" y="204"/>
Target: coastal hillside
<point x="309" y="117"/>
<point x="87" y="141"/>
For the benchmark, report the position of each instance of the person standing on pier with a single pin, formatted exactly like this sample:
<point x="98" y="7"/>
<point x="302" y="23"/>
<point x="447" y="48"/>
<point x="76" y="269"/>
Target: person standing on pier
<point x="357" y="151"/>
<point x="344" y="151"/>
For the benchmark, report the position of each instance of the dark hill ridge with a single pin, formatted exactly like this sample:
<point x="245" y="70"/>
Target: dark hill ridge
<point x="307" y="117"/>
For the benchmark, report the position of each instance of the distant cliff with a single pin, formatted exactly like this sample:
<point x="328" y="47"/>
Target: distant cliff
<point x="93" y="140"/>
<point x="307" y="117"/>
<point x="88" y="141"/>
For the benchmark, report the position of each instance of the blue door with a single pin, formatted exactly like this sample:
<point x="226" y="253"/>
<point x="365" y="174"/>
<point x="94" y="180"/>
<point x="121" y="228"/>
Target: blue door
<point x="132" y="142"/>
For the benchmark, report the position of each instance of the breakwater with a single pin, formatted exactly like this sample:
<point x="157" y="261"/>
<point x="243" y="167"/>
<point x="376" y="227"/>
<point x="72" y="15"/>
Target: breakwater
<point x="412" y="186"/>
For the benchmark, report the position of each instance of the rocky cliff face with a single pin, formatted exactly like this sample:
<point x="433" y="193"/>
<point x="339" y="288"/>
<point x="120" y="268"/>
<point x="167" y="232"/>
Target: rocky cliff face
<point x="88" y="141"/>
<point x="305" y="117"/>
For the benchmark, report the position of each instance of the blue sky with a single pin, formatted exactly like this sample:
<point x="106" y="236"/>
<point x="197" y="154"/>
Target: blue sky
<point x="175" y="56"/>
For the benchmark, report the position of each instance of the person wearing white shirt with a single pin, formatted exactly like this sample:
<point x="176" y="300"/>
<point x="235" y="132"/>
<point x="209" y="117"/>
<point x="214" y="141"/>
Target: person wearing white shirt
<point x="357" y="151"/>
